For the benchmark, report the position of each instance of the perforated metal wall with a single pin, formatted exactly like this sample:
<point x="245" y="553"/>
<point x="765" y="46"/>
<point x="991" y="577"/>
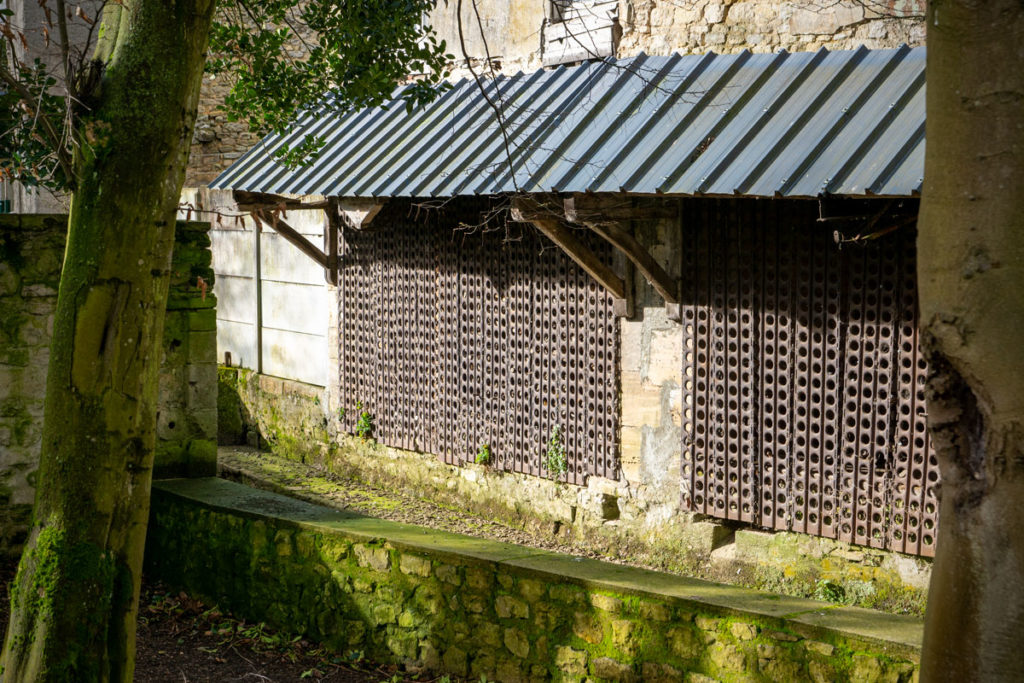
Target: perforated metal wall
<point x="454" y="339"/>
<point x="803" y="380"/>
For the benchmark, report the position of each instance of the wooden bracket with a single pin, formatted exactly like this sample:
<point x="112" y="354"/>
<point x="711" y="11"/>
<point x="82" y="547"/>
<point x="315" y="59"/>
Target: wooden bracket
<point x="529" y="210"/>
<point x="277" y="224"/>
<point x="358" y="213"/>
<point x="614" y="232"/>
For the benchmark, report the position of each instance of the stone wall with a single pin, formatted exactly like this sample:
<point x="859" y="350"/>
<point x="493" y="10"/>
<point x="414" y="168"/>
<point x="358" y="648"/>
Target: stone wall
<point x="638" y="520"/>
<point x="31" y="251"/>
<point x="511" y="34"/>
<point x="187" y="421"/>
<point x="469" y="607"/>
<point x="31" y="254"/>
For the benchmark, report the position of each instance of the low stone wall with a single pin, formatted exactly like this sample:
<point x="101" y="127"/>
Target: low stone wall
<point x="293" y="421"/>
<point x="31" y="255"/>
<point x="471" y="607"/>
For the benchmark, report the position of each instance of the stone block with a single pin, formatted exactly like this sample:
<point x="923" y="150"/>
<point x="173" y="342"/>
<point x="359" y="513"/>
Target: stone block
<point x="454" y="661"/>
<point x="403" y="645"/>
<point x="684" y="643"/>
<point x="532" y="590"/>
<point x="665" y="366"/>
<point x="588" y="627"/>
<point x="625" y="636"/>
<point x="479" y="579"/>
<point x="743" y="631"/>
<point x="383" y="613"/>
<point x="660" y="673"/>
<point x="567" y="593"/>
<point x="606" y="603"/>
<point x="727" y="659"/>
<point x="203" y="321"/>
<point x="448" y="574"/>
<point x="818" y="647"/>
<point x="612" y="670"/>
<point x="571" y="662"/>
<point x="202" y="347"/>
<point x="517" y="643"/>
<point x="429" y="656"/>
<point x="655" y="611"/>
<point x="509" y="607"/>
<point x="640" y="405"/>
<point x="270" y="385"/>
<point x="414" y="565"/>
<point x="373" y="557"/>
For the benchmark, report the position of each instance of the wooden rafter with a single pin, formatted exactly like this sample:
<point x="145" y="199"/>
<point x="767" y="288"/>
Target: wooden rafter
<point x="601" y="218"/>
<point x="258" y="201"/>
<point x="278" y="225"/>
<point x="528" y="210"/>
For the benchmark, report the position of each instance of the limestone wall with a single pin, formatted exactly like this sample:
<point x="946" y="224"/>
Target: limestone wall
<point x="31" y="254"/>
<point x="511" y="38"/>
<point x="512" y="28"/>
<point x="31" y="250"/>
<point x="432" y="600"/>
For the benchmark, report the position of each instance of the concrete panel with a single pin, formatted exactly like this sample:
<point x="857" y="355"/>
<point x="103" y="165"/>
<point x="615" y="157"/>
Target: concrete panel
<point x="240" y="340"/>
<point x="295" y="307"/>
<point x="292" y="355"/>
<point x="282" y="260"/>
<point x="236" y="299"/>
<point x="233" y="252"/>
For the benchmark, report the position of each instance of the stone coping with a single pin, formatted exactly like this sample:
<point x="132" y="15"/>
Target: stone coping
<point x="896" y="635"/>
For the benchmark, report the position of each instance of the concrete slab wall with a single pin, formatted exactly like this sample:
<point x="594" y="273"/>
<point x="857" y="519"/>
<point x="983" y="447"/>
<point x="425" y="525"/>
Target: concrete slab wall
<point x="275" y="323"/>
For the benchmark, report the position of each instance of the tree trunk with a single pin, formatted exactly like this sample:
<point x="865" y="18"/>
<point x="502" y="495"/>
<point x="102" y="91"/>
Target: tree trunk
<point x="971" y="269"/>
<point x="75" y="598"/>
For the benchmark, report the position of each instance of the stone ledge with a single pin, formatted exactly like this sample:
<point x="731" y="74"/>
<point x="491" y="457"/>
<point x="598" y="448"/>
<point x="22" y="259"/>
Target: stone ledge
<point x="729" y="618"/>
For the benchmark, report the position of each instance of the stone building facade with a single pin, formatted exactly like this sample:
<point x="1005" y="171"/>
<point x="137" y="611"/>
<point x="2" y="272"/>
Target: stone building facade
<point x="512" y="39"/>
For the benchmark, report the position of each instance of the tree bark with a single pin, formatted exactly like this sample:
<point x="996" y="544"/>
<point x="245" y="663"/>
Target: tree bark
<point x="75" y="598"/>
<point x="971" y="271"/>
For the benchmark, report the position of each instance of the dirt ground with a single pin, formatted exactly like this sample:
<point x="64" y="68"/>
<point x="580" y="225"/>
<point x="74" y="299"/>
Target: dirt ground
<point x="181" y="640"/>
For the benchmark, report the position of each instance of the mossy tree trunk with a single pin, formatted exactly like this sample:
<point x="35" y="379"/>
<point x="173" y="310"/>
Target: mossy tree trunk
<point x="75" y="598"/>
<point x="971" y="268"/>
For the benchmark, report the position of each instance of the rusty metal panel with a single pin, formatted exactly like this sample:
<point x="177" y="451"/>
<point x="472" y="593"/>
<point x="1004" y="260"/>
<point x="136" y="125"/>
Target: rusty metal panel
<point x="456" y="339"/>
<point x="805" y="378"/>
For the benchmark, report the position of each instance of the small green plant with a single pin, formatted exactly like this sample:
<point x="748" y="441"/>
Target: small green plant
<point x="830" y="591"/>
<point x="483" y="456"/>
<point x="364" y="425"/>
<point x="555" y="461"/>
<point x="341" y="413"/>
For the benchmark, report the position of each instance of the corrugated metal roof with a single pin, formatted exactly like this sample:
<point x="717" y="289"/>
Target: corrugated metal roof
<point x="784" y="124"/>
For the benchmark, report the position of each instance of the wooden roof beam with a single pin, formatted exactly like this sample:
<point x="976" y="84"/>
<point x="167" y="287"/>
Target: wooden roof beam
<point x="599" y="218"/>
<point x="278" y="225"/>
<point x="541" y="215"/>
<point x="258" y="201"/>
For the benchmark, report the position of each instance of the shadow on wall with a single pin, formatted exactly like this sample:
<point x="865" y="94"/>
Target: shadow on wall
<point x="236" y="425"/>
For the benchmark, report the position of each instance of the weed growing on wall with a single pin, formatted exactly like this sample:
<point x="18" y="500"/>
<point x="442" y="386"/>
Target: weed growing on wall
<point x="483" y="456"/>
<point x="555" y="461"/>
<point x="364" y="425"/>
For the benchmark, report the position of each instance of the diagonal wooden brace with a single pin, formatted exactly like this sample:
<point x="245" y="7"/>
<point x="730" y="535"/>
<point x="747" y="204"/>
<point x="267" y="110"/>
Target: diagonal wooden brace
<point x="529" y="211"/>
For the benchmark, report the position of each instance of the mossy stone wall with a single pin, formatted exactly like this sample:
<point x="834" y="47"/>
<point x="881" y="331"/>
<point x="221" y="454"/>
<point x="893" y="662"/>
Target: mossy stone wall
<point x="31" y="255"/>
<point x="470" y="607"/>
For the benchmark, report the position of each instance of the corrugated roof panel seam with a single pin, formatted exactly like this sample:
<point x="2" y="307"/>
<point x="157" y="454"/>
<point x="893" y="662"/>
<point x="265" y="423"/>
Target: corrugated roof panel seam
<point x="845" y="123"/>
